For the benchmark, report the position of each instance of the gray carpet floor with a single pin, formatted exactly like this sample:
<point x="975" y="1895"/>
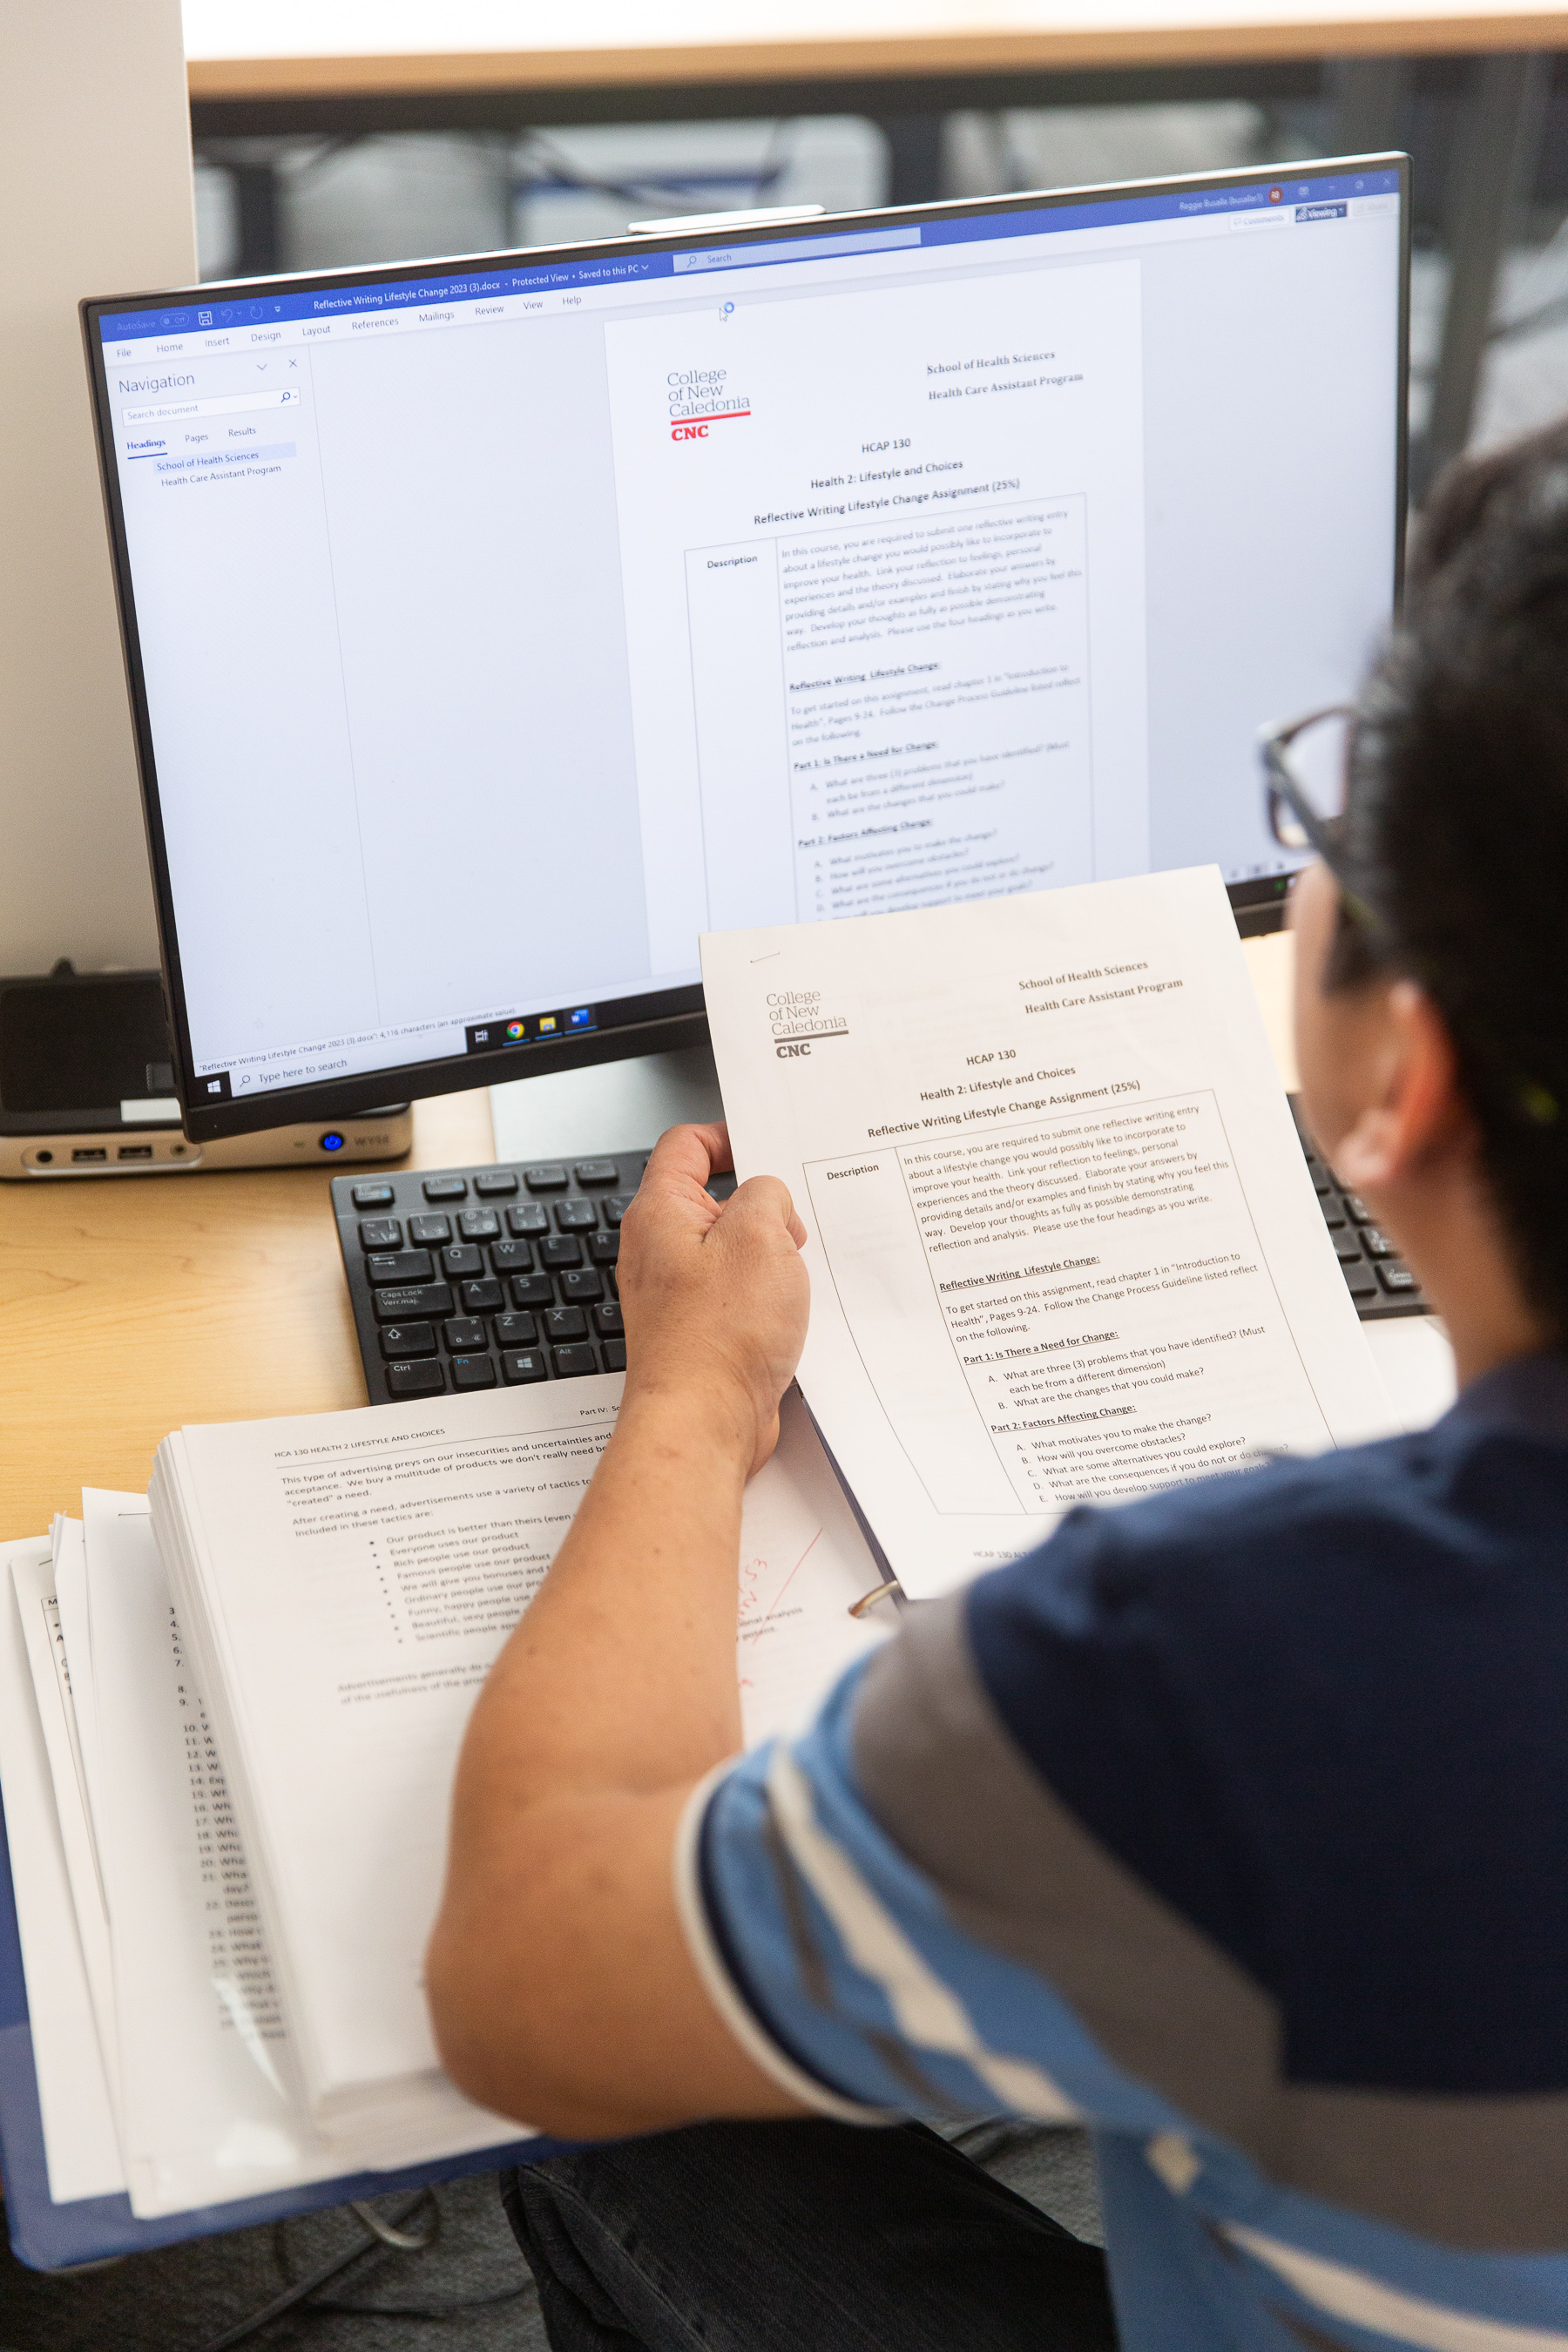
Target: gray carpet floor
<point x="469" y="2287"/>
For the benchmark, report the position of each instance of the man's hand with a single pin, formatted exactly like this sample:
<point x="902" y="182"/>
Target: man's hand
<point x="714" y="1294"/>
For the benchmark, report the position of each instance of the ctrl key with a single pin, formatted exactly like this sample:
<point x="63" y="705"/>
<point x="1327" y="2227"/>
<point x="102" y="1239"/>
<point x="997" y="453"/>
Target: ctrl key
<point x="424" y="1378"/>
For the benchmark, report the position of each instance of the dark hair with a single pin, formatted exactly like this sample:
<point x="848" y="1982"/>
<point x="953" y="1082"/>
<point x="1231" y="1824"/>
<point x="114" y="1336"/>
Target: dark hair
<point x="1457" y="822"/>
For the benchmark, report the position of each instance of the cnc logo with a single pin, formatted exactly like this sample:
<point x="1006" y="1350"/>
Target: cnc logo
<point x="800" y="1025"/>
<point x="700" y="398"/>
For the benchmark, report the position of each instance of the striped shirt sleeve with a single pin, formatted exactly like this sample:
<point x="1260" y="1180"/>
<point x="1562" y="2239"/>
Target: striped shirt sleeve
<point x="847" y="1969"/>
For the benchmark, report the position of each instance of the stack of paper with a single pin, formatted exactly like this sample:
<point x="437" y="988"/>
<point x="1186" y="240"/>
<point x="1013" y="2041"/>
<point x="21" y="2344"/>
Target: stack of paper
<point x="223" y="1958"/>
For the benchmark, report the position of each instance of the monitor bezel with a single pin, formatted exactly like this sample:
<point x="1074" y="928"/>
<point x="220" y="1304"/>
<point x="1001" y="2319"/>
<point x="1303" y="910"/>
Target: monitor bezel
<point x="673" y="1017"/>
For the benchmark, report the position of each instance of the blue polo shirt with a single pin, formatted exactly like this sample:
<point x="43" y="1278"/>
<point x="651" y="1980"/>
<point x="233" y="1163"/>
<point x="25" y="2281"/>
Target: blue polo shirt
<point x="1236" y="1822"/>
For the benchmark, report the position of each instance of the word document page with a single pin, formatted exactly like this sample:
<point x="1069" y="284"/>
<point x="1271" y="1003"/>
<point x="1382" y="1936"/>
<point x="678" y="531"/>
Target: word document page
<point x="897" y="546"/>
<point x="1062" y="1240"/>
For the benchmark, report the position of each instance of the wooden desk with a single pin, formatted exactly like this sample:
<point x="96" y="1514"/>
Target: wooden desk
<point x="132" y="1305"/>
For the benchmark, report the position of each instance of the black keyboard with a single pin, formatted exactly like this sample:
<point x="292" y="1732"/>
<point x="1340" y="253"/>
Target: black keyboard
<point x="1376" y="1274"/>
<point x="479" y="1277"/>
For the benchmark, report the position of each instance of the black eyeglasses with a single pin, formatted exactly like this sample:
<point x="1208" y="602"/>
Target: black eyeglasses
<point x="1306" y="778"/>
<point x="1306" y="772"/>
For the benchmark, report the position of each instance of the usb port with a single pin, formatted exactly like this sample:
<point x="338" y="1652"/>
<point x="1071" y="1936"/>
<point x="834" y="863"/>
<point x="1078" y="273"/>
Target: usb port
<point x="134" y="1152"/>
<point x="94" y="1151"/>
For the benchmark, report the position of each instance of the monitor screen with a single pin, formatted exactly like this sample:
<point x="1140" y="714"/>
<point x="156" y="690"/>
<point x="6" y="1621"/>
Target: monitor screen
<point x="495" y="627"/>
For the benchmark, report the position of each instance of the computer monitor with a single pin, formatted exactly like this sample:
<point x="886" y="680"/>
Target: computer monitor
<point x="495" y="627"/>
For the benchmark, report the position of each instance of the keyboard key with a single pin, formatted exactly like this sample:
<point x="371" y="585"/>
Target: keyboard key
<point x="531" y="1290"/>
<point x="429" y="1231"/>
<point x="565" y="1323"/>
<point x="473" y="1373"/>
<point x="445" y="1188"/>
<point x="412" y="1304"/>
<point x="398" y="1265"/>
<point x="613" y="1283"/>
<point x="571" y="1363"/>
<point x="461" y="1259"/>
<point x="408" y="1339"/>
<point x="1333" y="1210"/>
<point x="495" y="1185"/>
<point x="615" y="1355"/>
<point x="576" y="1216"/>
<point x="380" y="1234"/>
<point x="1376" y="1242"/>
<point x="582" y="1288"/>
<point x="416" y="1380"/>
<point x="1347" y="1247"/>
<point x="604" y="1248"/>
<point x="464" y="1334"/>
<point x="560" y="1249"/>
<point x="1395" y="1276"/>
<point x="607" y="1321"/>
<point x="515" y="1331"/>
<point x="512" y="1257"/>
<point x="615" y="1207"/>
<point x="596" y="1171"/>
<point x="482" y="1297"/>
<point x="373" y="1196"/>
<point x="532" y="1218"/>
<point x="1360" y="1279"/>
<point x="479" y="1224"/>
<point x="1359" y="1209"/>
<point x="521" y="1364"/>
<point x="548" y="1178"/>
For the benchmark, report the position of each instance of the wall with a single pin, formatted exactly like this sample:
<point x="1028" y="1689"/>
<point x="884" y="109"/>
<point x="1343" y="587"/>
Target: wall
<point x="95" y="198"/>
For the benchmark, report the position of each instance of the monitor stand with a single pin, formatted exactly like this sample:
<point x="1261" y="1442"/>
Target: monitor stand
<point x="614" y="1106"/>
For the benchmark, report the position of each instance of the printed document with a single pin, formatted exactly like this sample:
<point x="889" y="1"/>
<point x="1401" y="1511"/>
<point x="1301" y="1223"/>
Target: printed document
<point x="1062" y="1242"/>
<point x="343" y="1583"/>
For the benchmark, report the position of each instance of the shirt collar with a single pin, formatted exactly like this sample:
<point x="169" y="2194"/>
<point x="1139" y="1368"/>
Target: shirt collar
<point x="1529" y="1394"/>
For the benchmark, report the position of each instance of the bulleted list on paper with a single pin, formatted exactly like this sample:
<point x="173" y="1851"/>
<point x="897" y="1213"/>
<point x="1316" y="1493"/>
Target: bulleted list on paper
<point x="1062" y="1243"/>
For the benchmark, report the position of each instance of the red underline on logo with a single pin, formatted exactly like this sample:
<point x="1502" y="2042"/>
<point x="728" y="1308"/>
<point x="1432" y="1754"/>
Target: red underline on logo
<point x="717" y="419"/>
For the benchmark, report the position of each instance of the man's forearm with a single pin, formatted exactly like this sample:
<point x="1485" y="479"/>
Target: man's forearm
<point x="555" y="1969"/>
<point x="559" y="1981"/>
<point x="621" y="1675"/>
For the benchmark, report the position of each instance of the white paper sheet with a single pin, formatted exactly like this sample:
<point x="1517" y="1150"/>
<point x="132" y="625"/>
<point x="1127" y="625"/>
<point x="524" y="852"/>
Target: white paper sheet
<point x="360" y="1572"/>
<point x="79" y="2142"/>
<point x="45" y="1644"/>
<point x="75" y="1635"/>
<point x="209" y="2105"/>
<point x="1062" y="1240"/>
<point x="803" y="1562"/>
